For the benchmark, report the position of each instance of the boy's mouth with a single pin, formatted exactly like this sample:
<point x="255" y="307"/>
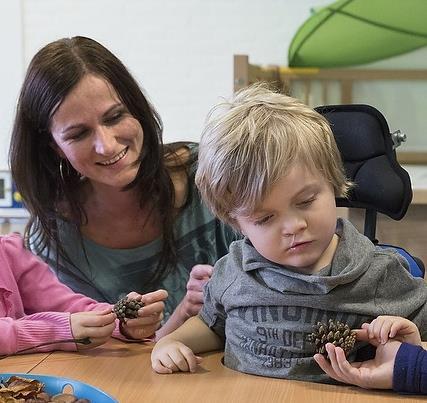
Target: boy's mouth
<point x="298" y="244"/>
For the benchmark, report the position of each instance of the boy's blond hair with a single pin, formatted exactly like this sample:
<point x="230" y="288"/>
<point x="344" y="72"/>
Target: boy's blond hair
<point x="252" y="141"/>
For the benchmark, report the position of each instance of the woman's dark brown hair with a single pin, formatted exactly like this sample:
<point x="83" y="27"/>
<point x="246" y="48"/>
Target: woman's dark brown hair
<point x="53" y="72"/>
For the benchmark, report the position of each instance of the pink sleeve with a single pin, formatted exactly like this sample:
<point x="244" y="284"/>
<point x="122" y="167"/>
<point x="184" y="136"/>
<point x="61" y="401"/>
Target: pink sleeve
<point x="39" y="288"/>
<point x="31" y="330"/>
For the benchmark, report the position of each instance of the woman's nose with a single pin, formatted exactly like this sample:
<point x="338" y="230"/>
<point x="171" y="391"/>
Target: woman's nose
<point x="105" y="141"/>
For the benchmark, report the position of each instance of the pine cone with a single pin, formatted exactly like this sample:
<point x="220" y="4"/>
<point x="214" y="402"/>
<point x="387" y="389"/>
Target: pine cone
<point x="127" y="308"/>
<point x="334" y="332"/>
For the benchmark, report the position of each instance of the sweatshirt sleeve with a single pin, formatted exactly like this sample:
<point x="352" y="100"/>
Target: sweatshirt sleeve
<point x="212" y="312"/>
<point x="410" y="370"/>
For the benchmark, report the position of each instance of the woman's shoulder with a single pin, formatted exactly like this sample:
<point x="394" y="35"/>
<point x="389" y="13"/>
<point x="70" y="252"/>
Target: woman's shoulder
<point x="180" y="155"/>
<point x="180" y="161"/>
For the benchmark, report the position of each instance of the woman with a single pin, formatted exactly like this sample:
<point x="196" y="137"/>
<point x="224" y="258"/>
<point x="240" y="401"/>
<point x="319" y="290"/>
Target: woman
<point x="112" y="209"/>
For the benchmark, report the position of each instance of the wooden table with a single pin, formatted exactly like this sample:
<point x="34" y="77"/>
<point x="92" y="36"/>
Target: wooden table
<point x="22" y="363"/>
<point x="124" y="371"/>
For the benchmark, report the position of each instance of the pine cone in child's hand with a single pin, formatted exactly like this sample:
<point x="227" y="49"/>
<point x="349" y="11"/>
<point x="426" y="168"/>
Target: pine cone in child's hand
<point x="127" y="308"/>
<point x="335" y="332"/>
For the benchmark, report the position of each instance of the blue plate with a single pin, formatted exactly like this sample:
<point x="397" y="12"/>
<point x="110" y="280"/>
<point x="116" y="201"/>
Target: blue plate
<point x="55" y="384"/>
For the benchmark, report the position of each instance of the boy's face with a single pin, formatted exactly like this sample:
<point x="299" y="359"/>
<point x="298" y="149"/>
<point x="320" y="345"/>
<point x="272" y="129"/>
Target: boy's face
<point x="295" y="223"/>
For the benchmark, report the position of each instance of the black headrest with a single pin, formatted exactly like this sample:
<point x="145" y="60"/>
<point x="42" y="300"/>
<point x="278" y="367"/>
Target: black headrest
<point x="366" y="147"/>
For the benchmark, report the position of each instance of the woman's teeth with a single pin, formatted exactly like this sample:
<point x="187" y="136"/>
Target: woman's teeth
<point x="116" y="158"/>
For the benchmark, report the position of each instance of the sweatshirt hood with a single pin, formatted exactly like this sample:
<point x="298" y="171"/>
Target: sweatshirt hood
<point x="348" y="262"/>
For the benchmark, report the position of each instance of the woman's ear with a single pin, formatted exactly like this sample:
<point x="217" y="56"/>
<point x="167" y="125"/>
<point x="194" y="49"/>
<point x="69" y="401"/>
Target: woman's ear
<point x="55" y="148"/>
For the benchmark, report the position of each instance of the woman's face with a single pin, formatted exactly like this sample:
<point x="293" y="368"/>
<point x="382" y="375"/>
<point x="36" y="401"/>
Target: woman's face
<point x="95" y="132"/>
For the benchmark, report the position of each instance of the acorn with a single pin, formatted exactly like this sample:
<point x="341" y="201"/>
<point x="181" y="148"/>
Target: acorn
<point x="127" y="308"/>
<point x="335" y="332"/>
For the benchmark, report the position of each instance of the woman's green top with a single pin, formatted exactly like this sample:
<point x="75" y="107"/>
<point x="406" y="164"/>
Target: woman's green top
<point x="107" y="274"/>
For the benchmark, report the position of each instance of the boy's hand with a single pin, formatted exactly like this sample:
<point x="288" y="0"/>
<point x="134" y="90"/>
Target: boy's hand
<point x="149" y="316"/>
<point x="384" y="327"/>
<point x="97" y="325"/>
<point x="173" y="356"/>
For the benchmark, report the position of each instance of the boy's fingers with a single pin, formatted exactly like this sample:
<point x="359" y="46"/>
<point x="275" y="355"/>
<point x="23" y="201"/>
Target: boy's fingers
<point x="192" y="360"/>
<point x="385" y="332"/>
<point x="160" y="368"/>
<point x="179" y="361"/>
<point x="362" y="335"/>
<point x="395" y="327"/>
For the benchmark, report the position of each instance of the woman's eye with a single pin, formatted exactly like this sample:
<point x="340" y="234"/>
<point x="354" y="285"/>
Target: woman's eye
<point x="77" y="135"/>
<point x="263" y="220"/>
<point x="114" y="118"/>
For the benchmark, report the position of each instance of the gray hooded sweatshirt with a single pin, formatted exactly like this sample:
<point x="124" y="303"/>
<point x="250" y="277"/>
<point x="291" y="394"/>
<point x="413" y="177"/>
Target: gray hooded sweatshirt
<point x="264" y="311"/>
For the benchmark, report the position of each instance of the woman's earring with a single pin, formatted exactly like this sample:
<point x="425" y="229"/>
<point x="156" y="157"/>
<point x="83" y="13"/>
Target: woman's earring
<point x="66" y="171"/>
<point x="61" y="169"/>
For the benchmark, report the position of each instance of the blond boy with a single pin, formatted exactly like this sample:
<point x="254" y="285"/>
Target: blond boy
<point x="269" y="166"/>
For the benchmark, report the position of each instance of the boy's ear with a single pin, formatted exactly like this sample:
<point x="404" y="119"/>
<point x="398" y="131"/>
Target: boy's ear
<point x="238" y="228"/>
<point x="55" y="148"/>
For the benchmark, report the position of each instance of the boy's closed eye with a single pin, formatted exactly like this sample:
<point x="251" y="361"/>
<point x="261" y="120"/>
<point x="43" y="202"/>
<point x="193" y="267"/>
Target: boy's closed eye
<point x="263" y="220"/>
<point x="307" y="202"/>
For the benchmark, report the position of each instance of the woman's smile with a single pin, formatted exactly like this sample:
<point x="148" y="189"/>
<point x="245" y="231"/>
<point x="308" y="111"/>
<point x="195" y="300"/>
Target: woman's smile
<point x="115" y="159"/>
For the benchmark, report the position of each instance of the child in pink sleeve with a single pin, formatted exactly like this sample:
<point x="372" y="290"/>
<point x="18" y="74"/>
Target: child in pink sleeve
<point x="36" y="308"/>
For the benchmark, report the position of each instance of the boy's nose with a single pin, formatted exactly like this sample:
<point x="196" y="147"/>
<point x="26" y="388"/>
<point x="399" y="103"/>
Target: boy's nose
<point x="293" y="226"/>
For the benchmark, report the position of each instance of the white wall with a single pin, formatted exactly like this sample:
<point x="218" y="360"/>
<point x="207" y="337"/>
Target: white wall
<point x="11" y="70"/>
<point x="181" y="52"/>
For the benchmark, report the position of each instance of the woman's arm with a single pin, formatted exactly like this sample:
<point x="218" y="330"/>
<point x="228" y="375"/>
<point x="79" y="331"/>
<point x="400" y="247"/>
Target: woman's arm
<point x="192" y="302"/>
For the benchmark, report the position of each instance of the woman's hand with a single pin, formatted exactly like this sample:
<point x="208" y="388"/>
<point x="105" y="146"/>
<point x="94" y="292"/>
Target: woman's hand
<point x="372" y="374"/>
<point x="97" y="325"/>
<point x="191" y="303"/>
<point x="193" y="300"/>
<point x="149" y="316"/>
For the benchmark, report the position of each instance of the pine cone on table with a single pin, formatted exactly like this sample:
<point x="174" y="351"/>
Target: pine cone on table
<point x="335" y="332"/>
<point x="127" y="308"/>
